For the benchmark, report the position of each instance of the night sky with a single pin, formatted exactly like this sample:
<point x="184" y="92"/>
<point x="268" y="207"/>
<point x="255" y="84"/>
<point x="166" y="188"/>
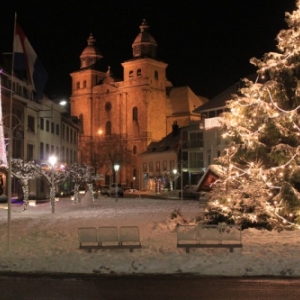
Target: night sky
<point x="207" y="44"/>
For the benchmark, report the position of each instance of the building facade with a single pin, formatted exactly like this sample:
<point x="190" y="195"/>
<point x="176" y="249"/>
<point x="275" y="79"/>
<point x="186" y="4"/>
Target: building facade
<point x="137" y="109"/>
<point x="39" y="129"/>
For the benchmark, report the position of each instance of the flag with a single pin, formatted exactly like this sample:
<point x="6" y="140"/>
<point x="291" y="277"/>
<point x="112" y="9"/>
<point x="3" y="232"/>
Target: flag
<point x="25" y="59"/>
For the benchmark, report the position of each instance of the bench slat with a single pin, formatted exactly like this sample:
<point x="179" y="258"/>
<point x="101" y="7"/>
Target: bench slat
<point x="209" y="236"/>
<point x="87" y="235"/>
<point x="108" y="234"/>
<point x="109" y="237"/>
<point x="129" y="234"/>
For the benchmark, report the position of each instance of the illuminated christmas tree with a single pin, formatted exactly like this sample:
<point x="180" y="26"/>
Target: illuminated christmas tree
<point x="261" y="164"/>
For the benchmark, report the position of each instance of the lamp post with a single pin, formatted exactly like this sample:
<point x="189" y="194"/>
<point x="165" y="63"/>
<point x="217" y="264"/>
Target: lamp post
<point x="181" y="179"/>
<point x="174" y="172"/>
<point x="116" y="168"/>
<point x="52" y="161"/>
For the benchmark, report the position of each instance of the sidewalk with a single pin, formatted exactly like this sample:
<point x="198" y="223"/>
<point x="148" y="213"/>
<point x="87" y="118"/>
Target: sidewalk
<point x="152" y="195"/>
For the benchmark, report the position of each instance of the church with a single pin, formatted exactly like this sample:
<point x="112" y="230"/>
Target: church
<point x="120" y="117"/>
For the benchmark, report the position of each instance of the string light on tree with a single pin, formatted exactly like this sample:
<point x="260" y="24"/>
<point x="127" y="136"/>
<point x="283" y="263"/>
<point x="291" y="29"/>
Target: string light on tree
<point x="262" y="128"/>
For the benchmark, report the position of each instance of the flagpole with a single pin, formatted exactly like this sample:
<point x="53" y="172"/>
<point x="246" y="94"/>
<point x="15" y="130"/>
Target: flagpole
<point x="10" y="145"/>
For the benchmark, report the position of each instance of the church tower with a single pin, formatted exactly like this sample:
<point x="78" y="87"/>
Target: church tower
<point x="145" y="88"/>
<point x="133" y="109"/>
<point x="83" y="82"/>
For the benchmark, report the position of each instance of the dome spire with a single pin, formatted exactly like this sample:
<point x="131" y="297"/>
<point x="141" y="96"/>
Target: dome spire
<point x="90" y="54"/>
<point x="144" y="44"/>
<point x="144" y="26"/>
<point x="91" y="40"/>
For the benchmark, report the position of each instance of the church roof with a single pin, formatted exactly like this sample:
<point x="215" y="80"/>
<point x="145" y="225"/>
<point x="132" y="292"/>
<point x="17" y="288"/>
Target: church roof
<point x="182" y="100"/>
<point x="144" y="44"/>
<point x="90" y="53"/>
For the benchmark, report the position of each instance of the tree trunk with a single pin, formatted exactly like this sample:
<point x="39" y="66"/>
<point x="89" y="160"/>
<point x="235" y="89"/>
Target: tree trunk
<point x="76" y="193"/>
<point x="25" y="194"/>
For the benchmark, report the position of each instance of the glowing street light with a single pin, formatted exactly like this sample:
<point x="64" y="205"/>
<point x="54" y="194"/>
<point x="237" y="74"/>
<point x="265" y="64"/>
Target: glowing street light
<point x="174" y="172"/>
<point x="116" y="168"/>
<point x="52" y="161"/>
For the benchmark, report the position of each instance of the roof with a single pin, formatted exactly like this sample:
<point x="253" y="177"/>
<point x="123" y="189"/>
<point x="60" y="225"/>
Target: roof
<point x="168" y="143"/>
<point x="220" y="100"/>
<point x="182" y="100"/>
<point x="144" y="44"/>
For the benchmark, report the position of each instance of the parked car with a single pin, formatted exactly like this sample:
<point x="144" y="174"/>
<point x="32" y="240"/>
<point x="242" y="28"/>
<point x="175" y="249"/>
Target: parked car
<point x="189" y="191"/>
<point x="120" y="190"/>
<point x="104" y="190"/>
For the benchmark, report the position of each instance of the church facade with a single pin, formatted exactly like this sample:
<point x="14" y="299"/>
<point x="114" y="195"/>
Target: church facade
<point x="120" y="118"/>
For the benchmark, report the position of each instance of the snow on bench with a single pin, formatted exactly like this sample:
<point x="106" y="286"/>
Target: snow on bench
<point x="209" y="236"/>
<point x="109" y="237"/>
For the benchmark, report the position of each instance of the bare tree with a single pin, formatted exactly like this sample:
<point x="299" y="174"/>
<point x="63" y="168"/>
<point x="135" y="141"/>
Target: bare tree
<point x="24" y="172"/>
<point x="112" y="150"/>
<point x="79" y="174"/>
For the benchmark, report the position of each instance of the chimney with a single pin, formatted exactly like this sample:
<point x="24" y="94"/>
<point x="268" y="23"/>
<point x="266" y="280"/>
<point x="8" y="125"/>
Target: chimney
<point x="175" y="128"/>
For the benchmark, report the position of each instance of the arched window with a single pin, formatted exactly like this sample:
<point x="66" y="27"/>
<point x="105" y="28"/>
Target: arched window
<point x="130" y="74"/>
<point x="156" y="75"/>
<point x="134" y="151"/>
<point x="107" y="106"/>
<point x="108" y="128"/>
<point x="135" y="114"/>
<point x="139" y="73"/>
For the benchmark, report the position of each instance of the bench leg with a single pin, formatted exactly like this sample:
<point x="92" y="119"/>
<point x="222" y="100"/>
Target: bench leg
<point x="231" y="249"/>
<point x="187" y="250"/>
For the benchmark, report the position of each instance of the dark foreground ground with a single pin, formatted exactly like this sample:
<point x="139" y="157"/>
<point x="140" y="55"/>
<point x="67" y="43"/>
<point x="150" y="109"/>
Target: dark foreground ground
<point x="155" y="287"/>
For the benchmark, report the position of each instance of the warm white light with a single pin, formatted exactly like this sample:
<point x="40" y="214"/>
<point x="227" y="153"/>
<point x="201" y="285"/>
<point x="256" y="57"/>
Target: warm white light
<point x="52" y="160"/>
<point x="174" y="171"/>
<point x="116" y="167"/>
<point x="63" y="102"/>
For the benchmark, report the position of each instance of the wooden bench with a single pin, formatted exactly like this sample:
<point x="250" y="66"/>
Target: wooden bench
<point x="109" y="237"/>
<point x="209" y="236"/>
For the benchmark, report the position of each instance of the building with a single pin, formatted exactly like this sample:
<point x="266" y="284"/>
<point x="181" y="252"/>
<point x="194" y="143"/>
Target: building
<point x="139" y="109"/>
<point x="159" y="163"/>
<point x="39" y="129"/>
<point x="190" y="150"/>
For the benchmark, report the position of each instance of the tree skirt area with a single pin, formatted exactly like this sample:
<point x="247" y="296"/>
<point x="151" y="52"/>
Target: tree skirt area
<point x="46" y="242"/>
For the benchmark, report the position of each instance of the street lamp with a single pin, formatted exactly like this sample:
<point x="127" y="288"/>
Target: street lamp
<point x="174" y="172"/>
<point x="182" y="170"/>
<point x="52" y="161"/>
<point x="116" y="168"/>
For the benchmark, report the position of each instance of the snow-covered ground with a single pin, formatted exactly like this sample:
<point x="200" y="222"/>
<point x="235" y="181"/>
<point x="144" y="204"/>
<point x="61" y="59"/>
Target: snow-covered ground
<point x="46" y="242"/>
